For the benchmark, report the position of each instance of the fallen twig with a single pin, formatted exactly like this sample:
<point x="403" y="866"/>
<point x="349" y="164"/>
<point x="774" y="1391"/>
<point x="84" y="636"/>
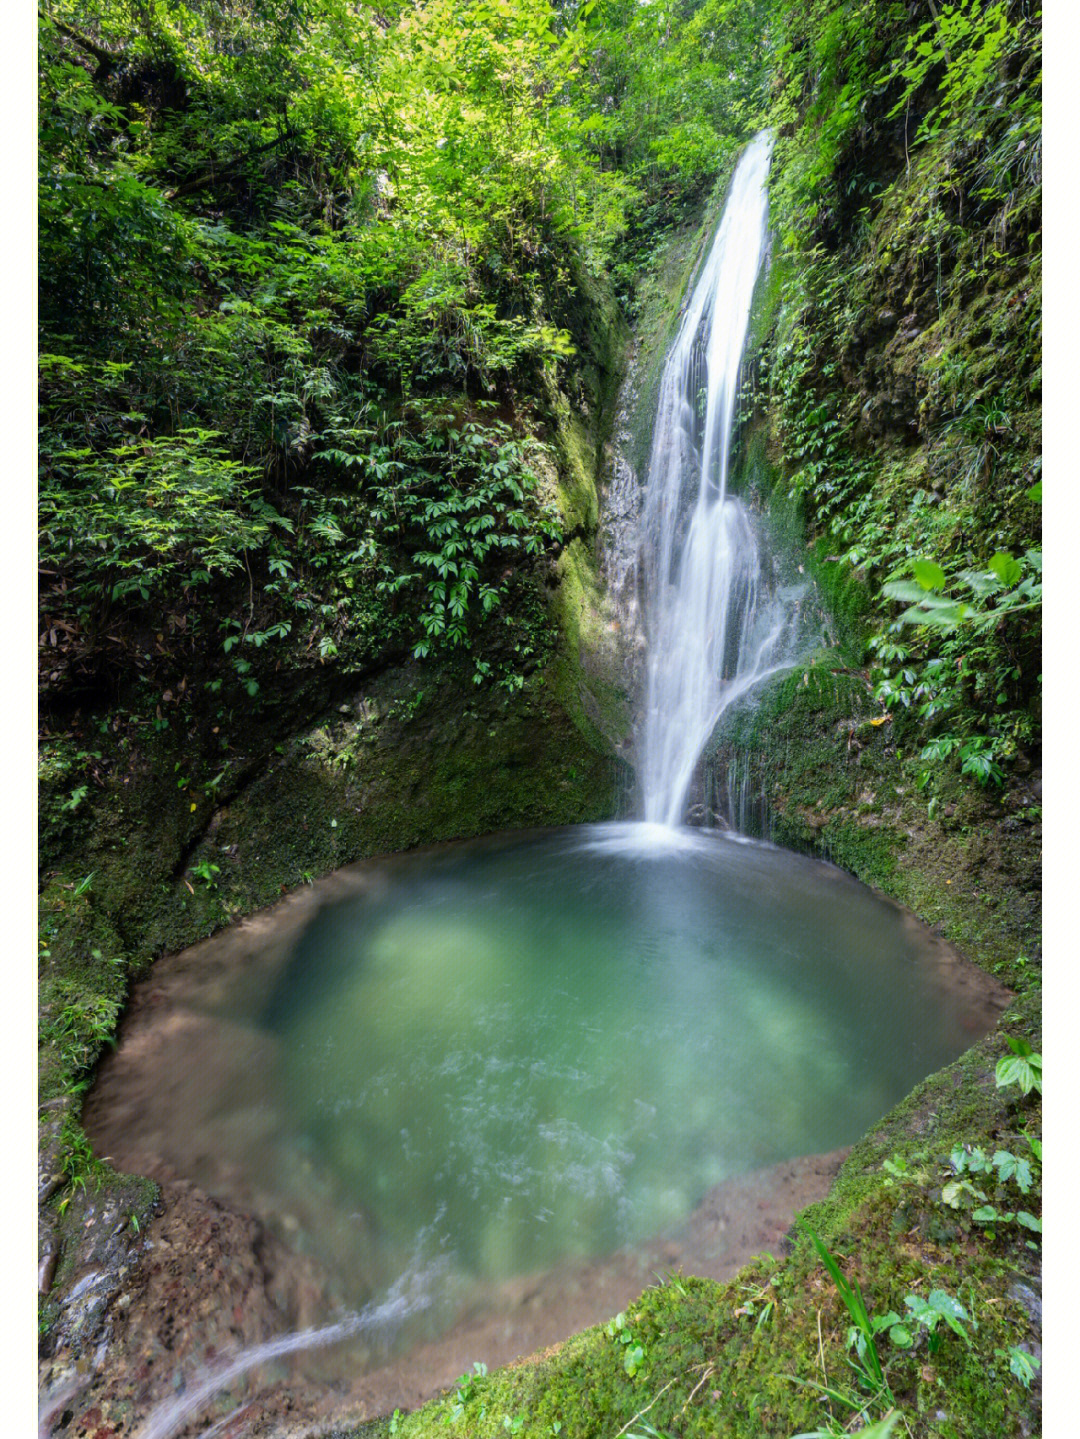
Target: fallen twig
<point x="640" y="1412"/>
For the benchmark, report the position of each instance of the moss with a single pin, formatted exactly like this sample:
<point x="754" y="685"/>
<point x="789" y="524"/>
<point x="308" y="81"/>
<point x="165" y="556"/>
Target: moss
<point x="661" y="293"/>
<point x="577" y="490"/>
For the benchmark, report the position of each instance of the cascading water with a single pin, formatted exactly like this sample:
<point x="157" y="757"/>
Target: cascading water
<point x="716" y="625"/>
<point x="475" y="1120"/>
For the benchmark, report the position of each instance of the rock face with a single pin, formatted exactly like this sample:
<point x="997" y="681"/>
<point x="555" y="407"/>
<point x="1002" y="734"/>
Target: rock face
<point x="157" y="1308"/>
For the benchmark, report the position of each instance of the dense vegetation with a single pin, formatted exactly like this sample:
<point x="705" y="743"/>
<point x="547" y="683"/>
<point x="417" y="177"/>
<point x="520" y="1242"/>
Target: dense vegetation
<point x="908" y="369"/>
<point x="320" y="284"/>
<point x="304" y="269"/>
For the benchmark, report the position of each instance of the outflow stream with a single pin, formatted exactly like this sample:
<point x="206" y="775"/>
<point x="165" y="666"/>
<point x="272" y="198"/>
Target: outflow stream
<point x="716" y="624"/>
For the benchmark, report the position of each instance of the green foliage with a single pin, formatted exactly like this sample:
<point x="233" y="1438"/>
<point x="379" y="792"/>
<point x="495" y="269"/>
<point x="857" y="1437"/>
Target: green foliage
<point x="1005" y="587"/>
<point x="206" y="871"/>
<point x="870" y="1376"/>
<point x="760" y="1306"/>
<point x="147" y="515"/>
<point x="619" y="1330"/>
<point x="685" y="86"/>
<point x="1021" y="1364"/>
<point x="1022" y="1068"/>
<point x="468" y="1387"/>
<point x="927" y="1313"/>
<point x="479" y="506"/>
<point x="81" y="1165"/>
<point x="881" y="1429"/>
<point x="983" y="1187"/>
<point x="287" y="257"/>
<point x="905" y="270"/>
<point x="80" y="1024"/>
<point x="961" y="652"/>
<point x="964" y="43"/>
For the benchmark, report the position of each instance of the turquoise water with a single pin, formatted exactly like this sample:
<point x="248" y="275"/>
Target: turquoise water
<point x="521" y="1051"/>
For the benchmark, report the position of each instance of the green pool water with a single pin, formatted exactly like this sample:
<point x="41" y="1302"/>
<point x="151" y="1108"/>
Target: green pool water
<point x="555" y="1046"/>
<point x="520" y="1076"/>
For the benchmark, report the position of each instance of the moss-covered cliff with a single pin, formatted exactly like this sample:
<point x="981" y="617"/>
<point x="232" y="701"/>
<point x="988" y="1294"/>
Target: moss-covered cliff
<point x="891" y="416"/>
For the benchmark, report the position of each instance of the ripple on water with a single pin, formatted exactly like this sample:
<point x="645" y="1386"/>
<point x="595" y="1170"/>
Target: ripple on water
<point x="525" y="1053"/>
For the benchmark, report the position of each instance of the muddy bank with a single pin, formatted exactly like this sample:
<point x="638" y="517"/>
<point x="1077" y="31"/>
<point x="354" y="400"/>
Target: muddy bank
<point x="210" y="1280"/>
<point x="271" y="1205"/>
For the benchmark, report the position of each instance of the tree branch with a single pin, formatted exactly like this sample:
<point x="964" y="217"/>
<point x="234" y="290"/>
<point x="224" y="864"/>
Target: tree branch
<point x="222" y="172"/>
<point x="106" y="58"/>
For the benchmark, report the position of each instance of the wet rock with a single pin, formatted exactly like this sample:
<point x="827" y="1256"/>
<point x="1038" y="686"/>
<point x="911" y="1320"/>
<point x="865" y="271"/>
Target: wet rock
<point x="50" y="1147"/>
<point x="138" y="1323"/>
<point x="1032" y="1302"/>
<point x="48" y="1253"/>
<point x="99" y="1227"/>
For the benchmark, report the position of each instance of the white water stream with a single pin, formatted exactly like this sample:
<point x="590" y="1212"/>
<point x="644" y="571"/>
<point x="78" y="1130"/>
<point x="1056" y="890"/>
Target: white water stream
<point x="716" y="625"/>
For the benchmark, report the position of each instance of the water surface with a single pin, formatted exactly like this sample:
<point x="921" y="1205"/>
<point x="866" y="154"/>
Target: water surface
<point x="530" y="1051"/>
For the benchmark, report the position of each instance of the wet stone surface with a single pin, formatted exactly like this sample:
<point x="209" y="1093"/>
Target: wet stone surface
<point x="206" y="1282"/>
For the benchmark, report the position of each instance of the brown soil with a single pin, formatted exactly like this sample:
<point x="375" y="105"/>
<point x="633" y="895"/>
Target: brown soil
<point x="211" y="1282"/>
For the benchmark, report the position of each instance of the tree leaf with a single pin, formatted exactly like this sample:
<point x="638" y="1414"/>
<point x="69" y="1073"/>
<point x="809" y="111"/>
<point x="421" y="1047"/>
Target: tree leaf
<point x="1008" y="570"/>
<point x="928" y="574"/>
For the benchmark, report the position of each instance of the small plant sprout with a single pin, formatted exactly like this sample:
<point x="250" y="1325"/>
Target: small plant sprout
<point x="1021" y="1364"/>
<point x="901" y="1172"/>
<point x="927" y="1313"/>
<point x="205" y="870"/>
<point x="760" y="1303"/>
<point x="634" y="1356"/>
<point x="1023" y="1067"/>
<point x="467" y="1387"/>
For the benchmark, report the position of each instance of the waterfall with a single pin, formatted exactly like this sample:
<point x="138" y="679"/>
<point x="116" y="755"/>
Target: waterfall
<point x="715" y="624"/>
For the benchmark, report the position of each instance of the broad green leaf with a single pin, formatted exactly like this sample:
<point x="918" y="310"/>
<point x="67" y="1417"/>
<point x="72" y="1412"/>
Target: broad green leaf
<point x="1015" y="1069"/>
<point x="928" y="574"/>
<point x="905" y="590"/>
<point x="1010" y="1166"/>
<point x="940" y="615"/>
<point x="1023" y="1365"/>
<point x="1008" y="570"/>
<point x="952" y="1311"/>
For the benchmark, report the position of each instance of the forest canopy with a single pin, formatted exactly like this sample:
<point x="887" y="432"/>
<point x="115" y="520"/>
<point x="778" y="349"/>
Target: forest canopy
<point x="308" y="270"/>
<point x="298" y="264"/>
